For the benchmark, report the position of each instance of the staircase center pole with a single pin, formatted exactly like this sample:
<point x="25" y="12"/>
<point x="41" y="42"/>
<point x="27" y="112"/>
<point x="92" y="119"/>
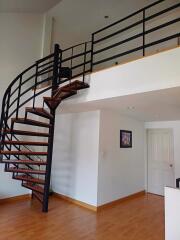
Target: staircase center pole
<point x="51" y="131"/>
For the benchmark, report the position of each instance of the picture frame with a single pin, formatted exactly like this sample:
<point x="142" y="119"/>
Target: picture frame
<point x="125" y="139"/>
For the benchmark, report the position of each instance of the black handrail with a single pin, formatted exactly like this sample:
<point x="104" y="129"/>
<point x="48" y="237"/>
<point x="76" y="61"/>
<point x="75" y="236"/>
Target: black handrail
<point x="27" y="82"/>
<point x="74" y="46"/>
<point x="99" y="38"/>
<point x="28" y="79"/>
<point x="76" y="59"/>
<point x="138" y="48"/>
<point x="129" y="16"/>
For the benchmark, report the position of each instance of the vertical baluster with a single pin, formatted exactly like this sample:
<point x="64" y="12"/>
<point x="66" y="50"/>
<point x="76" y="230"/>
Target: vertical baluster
<point x="60" y="65"/>
<point x="72" y="54"/>
<point x="7" y="114"/>
<point x="51" y="130"/>
<point x="56" y="68"/>
<point x="7" y="109"/>
<point x="144" y="15"/>
<point x="19" y="95"/>
<point x="92" y="52"/>
<point x="11" y="145"/>
<point x="6" y="119"/>
<point x="18" y="101"/>
<point x="2" y="119"/>
<point x="178" y="41"/>
<point x="84" y="66"/>
<point x="177" y="182"/>
<point x="35" y="84"/>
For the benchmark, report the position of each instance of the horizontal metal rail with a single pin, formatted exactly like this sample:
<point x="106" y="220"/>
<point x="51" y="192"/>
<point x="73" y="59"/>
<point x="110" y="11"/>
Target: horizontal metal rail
<point x="129" y="16"/>
<point x="137" y="23"/>
<point x="75" y="46"/>
<point x="138" y="35"/>
<point x="97" y="42"/>
<point x="138" y="48"/>
<point x="75" y="56"/>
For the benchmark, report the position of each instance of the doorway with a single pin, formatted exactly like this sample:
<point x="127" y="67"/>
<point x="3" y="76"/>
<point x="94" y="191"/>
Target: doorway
<point x="160" y="160"/>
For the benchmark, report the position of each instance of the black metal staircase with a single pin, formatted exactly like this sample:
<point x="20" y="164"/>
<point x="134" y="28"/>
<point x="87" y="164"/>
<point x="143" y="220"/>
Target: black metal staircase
<point x="33" y="167"/>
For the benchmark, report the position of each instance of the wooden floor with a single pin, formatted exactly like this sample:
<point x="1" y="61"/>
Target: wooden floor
<point x="138" y="219"/>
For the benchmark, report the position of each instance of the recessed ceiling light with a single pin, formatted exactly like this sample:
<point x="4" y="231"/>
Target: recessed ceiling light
<point x="106" y="17"/>
<point x="130" y="107"/>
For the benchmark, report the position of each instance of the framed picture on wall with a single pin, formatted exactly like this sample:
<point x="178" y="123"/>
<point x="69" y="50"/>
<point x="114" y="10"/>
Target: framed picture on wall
<point x="125" y="139"/>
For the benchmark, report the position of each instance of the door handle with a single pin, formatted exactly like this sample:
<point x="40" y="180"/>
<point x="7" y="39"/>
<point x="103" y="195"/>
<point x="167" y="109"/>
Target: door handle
<point x="171" y="165"/>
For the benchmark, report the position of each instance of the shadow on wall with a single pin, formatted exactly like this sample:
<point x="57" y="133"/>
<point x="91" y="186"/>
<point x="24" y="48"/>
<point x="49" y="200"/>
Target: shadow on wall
<point x="64" y="165"/>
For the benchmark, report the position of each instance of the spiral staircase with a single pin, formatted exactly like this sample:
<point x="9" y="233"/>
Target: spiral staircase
<point x="30" y="101"/>
<point x="23" y="151"/>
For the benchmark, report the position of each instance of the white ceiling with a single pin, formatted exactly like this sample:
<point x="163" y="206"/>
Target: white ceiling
<point x="163" y="105"/>
<point x="75" y="20"/>
<point x="27" y="6"/>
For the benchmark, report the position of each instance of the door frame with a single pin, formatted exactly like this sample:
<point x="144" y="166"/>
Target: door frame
<point x="147" y="158"/>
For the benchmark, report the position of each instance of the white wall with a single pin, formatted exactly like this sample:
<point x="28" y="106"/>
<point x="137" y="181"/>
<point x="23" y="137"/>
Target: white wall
<point x="20" y="44"/>
<point x="47" y="35"/>
<point x="121" y="171"/>
<point x="172" y="214"/>
<point x="75" y="157"/>
<point x="8" y="186"/>
<point x="88" y="164"/>
<point x="20" y="47"/>
<point x="175" y="126"/>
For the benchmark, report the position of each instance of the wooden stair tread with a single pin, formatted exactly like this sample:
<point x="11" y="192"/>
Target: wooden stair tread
<point x="33" y="187"/>
<point x="40" y="112"/>
<point x="25" y="170"/>
<point x="52" y="103"/>
<point x="76" y="85"/>
<point x="25" y="143"/>
<point x="52" y="99"/>
<point x="25" y="162"/>
<point x="73" y="86"/>
<point x="30" y="122"/>
<point x="62" y="94"/>
<point x="6" y="152"/>
<point x="27" y="133"/>
<point x="29" y="179"/>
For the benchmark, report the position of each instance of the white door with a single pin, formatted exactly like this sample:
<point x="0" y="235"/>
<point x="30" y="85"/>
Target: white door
<point x="160" y="160"/>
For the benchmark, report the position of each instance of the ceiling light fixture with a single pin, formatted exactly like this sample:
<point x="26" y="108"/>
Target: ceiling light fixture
<point x="130" y="107"/>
